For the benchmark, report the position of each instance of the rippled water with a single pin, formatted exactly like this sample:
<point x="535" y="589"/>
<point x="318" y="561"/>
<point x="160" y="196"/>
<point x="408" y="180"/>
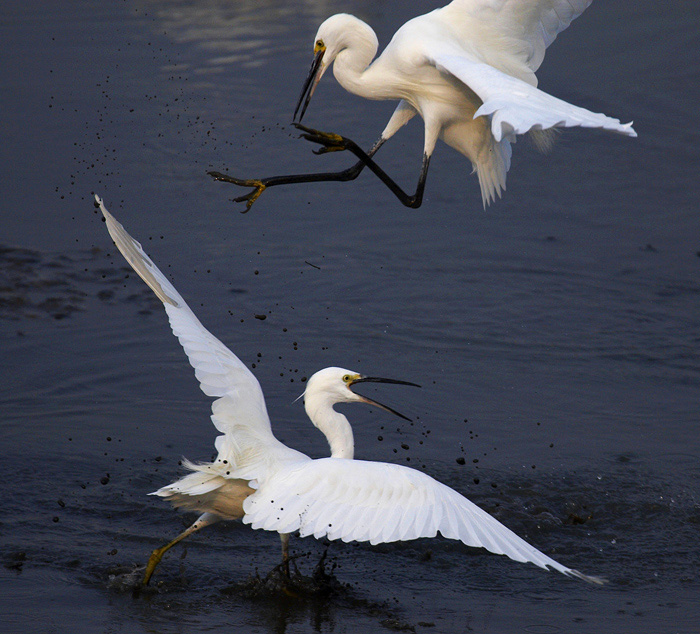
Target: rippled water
<point x="555" y="334"/>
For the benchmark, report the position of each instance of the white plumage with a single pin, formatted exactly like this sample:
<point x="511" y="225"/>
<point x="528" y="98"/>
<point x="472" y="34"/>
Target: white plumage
<point x="468" y="69"/>
<point x="270" y="486"/>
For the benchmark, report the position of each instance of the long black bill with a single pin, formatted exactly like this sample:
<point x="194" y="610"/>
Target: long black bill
<point x="369" y="401"/>
<point x="309" y="85"/>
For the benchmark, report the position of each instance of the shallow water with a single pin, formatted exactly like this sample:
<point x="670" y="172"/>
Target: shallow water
<point x="555" y="334"/>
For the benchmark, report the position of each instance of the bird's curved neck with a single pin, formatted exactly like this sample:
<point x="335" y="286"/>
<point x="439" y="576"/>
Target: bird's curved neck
<point x="351" y="65"/>
<point x="334" y="425"/>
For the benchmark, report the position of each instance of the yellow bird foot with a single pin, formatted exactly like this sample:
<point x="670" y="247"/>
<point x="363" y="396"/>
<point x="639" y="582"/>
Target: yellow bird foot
<point x="153" y="562"/>
<point x="330" y="142"/>
<point x="249" y="198"/>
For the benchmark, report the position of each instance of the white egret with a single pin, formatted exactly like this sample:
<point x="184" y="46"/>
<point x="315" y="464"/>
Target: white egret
<point x="468" y="69"/>
<point x="270" y="486"/>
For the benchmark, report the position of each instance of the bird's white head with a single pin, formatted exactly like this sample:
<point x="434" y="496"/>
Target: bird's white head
<point x="333" y="386"/>
<point x="330" y="386"/>
<point x="338" y="33"/>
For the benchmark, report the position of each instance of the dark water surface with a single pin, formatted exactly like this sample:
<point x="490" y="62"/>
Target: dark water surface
<point x="556" y="334"/>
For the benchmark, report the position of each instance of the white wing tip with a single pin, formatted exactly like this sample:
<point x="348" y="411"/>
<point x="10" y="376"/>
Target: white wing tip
<point x="501" y="128"/>
<point x="108" y="216"/>
<point x="628" y="129"/>
<point x="101" y="205"/>
<point x="596" y="581"/>
<point x="137" y="258"/>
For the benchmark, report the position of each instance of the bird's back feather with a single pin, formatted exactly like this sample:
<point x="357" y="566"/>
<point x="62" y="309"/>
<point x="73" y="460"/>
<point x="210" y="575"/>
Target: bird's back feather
<point x="526" y="27"/>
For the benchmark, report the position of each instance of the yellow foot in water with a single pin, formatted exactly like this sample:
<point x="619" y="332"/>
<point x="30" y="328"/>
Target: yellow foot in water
<point x="153" y="561"/>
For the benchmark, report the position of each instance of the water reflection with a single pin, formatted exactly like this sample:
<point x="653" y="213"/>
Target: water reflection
<point x="243" y="32"/>
<point x="35" y="285"/>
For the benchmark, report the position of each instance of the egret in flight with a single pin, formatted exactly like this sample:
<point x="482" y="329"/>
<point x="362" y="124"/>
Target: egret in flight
<point x="270" y="486"/>
<point x="468" y="69"/>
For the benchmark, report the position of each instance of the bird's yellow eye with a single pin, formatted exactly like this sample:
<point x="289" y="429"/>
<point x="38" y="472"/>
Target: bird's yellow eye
<point x="320" y="46"/>
<point x="347" y="378"/>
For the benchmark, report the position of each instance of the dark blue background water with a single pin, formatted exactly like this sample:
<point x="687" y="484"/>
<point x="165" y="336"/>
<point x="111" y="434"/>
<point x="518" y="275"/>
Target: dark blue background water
<point x="556" y="334"/>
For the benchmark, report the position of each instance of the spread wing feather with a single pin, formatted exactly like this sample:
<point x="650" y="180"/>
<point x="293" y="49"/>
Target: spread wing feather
<point x="516" y="107"/>
<point x="532" y="25"/>
<point x="239" y="411"/>
<point x="356" y="500"/>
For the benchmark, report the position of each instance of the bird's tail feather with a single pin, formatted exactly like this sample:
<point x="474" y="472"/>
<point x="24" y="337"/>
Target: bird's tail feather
<point x="544" y="140"/>
<point x="207" y="491"/>
<point x="492" y="167"/>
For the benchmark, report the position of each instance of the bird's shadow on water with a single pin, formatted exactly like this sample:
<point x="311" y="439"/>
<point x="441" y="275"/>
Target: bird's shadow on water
<point x="312" y="594"/>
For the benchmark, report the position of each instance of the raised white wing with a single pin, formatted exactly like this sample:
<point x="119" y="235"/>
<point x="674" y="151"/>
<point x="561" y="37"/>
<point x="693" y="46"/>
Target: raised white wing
<point x="516" y="107"/>
<point x="239" y="412"/>
<point x="532" y="25"/>
<point x="355" y="500"/>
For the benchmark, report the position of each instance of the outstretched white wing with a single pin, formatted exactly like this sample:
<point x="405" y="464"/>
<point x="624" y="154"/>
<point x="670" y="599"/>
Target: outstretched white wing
<point x="516" y="107"/>
<point x="530" y="26"/>
<point x="240" y="411"/>
<point x="355" y="500"/>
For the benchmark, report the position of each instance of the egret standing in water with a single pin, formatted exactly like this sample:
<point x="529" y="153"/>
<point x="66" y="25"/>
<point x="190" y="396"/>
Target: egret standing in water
<point x="270" y="486"/>
<point x="468" y="69"/>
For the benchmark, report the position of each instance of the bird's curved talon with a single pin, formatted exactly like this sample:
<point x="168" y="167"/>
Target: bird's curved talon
<point x="325" y="149"/>
<point x="328" y="142"/>
<point x="249" y="198"/>
<point x="225" y="178"/>
<point x="328" y="139"/>
<point x="304" y="128"/>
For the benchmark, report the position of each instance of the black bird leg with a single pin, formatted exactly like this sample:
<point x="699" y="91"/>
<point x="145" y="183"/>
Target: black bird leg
<point x="260" y="185"/>
<point x="331" y="143"/>
<point x="336" y="143"/>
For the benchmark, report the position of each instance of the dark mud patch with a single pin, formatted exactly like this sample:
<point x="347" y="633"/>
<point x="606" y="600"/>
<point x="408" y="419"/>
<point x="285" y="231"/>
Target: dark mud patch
<point x="35" y="285"/>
